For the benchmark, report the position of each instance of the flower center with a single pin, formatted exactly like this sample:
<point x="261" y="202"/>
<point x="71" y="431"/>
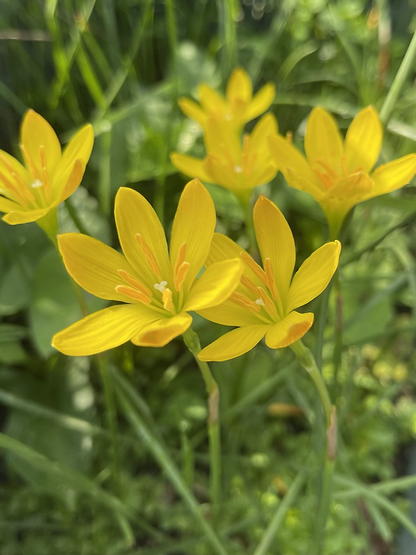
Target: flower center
<point x="161" y="286"/>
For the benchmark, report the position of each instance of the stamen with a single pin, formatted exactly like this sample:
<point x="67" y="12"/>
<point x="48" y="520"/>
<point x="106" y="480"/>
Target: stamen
<point x="14" y="190"/>
<point x="253" y="266"/>
<point x="133" y="294"/>
<point x="30" y="163"/>
<point x="46" y="181"/>
<point x="160" y="286"/>
<point x="271" y="284"/>
<point x="327" y="168"/>
<point x="324" y="179"/>
<point x="267" y="302"/>
<point x="151" y="260"/>
<point x="167" y="300"/>
<point x="249" y="284"/>
<point x="245" y="302"/>
<point x="134" y="282"/>
<point x="180" y="275"/>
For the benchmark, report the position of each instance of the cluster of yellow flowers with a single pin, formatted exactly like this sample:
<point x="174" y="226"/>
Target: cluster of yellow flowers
<point x="159" y="286"/>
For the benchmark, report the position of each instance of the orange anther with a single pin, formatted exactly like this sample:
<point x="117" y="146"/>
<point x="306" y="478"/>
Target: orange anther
<point x="245" y="302"/>
<point x="151" y="260"/>
<point x="271" y="284"/>
<point x="133" y="294"/>
<point x="134" y="282"/>
<point x="180" y="275"/>
<point x="253" y="266"/>
<point x="167" y="300"/>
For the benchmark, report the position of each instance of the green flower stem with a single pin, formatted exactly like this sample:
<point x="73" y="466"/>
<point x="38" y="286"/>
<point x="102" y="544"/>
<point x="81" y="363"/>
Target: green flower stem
<point x="166" y="464"/>
<point x="407" y="65"/>
<point x="244" y="198"/>
<point x="308" y="362"/>
<point x="191" y="340"/>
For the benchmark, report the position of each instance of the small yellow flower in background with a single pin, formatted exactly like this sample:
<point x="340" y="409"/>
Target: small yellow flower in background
<point x="158" y="290"/>
<point x="238" y="107"/>
<point x="338" y="173"/>
<point x="228" y="163"/>
<point x="264" y="303"/>
<point x="49" y="175"/>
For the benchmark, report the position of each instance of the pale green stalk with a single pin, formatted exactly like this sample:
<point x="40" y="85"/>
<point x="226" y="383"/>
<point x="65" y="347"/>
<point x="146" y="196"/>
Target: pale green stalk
<point x="191" y="340"/>
<point x="407" y="65"/>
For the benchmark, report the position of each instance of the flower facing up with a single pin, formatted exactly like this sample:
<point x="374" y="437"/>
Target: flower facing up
<point x="49" y="175"/>
<point x="238" y="107"/>
<point x="338" y="173"/>
<point x="264" y="303"/>
<point x="228" y="163"/>
<point x="157" y="289"/>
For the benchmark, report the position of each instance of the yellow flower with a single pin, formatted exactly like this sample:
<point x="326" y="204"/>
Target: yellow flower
<point x="49" y="176"/>
<point x="264" y="303"/>
<point x="238" y="107"/>
<point x="158" y="290"/>
<point x="228" y="163"/>
<point x="338" y="173"/>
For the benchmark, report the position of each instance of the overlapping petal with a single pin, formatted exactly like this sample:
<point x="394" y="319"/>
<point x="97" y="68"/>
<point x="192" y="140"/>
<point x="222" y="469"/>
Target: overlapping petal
<point x="323" y="141"/>
<point x="239" y="87"/>
<point x="193" y="110"/>
<point x="163" y="330"/>
<point x="79" y="148"/>
<point x="260" y="102"/>
<point x="194" y="225"/>
<point x="363" y="141"/>
<point x="234" y="343"/>
<point x="314" y="275"/>
<point x="215" y="285"/>
<point x="135" y="215"/>
<point x="275" y="241"/>
<point x="36" y="133"/>
<point x="288" y="330"/>
<point x="25" y="217"/>
<point x="392" y="176"/>
<point x="103" y="330"/>
<point x="190" y="166"/>
<point x="94" y="265"/>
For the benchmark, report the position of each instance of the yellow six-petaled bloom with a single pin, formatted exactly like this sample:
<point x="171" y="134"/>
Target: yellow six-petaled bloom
<point x="157" y="289"/>
<point x="338" y="173"/>
<point x="49" y="176"/>
<point x="238" y="107"/>
<point x="265" y="302"/>
<point x="235" y="166"/>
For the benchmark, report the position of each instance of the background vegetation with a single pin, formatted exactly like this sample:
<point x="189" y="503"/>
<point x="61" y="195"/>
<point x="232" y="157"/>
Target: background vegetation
<point x="74" y="479"/>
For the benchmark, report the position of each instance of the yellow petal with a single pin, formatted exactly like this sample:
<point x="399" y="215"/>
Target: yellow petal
<point x="234" y="343"/>
<point x="221" y="173"/>
<point x="78" y="148"/>
<point x="261" y="102"/>
<point x="72" y="183"/>
<point x="239" y="86"/>
<point x="352" y="188"/>
<point x="266" y="126"/>
<point x="289" y="330"/>
<point x="194" y="224"/>
<point x="222" y="139"/>
<point x="275" y="241"/>
<point x="103" y="330"/>
<point x="162" y="331"/>
<point x="8" y="163"/>
<point x="14" y="218"/>
<point x="230" y="314"/>
<point x="323" y="141"/>
<point x="7" y="205"/>
<point x="192" y="110"/>
<point x="37" y="132"/>
<point x="190" y="166"/>
<point x="363" y="141"/>
<point x="94" y="265"/>
<point x="211" y="101"/>
<point x="215" y="285"/>
<point x="314" y="275"/>
<point x="134" y="215"/>
<point x="294" y="166"/>
<point x="392" y="176"/>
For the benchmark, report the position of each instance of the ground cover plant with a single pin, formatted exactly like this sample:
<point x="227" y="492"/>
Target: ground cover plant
<point x="207" y="277"/>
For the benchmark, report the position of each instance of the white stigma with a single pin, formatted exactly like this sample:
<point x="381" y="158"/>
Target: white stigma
<point x="37" y="184"/>
<point x="238" y="169"/>
<point x="161" y="286"/>
<point x="259" y="302"/>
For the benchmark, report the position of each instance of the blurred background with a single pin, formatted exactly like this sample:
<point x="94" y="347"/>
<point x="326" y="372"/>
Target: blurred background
<point x="122" y="65"/>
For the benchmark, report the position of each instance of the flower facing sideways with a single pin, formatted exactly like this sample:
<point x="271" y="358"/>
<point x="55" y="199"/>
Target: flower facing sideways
<point x="228" y="163"/>
<point x="238" y="107"/>
<point x="49" y="175"/>
<point x="264" y="303"/>
<point x="157" y="289"/>
<point x="338" y="173"/>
